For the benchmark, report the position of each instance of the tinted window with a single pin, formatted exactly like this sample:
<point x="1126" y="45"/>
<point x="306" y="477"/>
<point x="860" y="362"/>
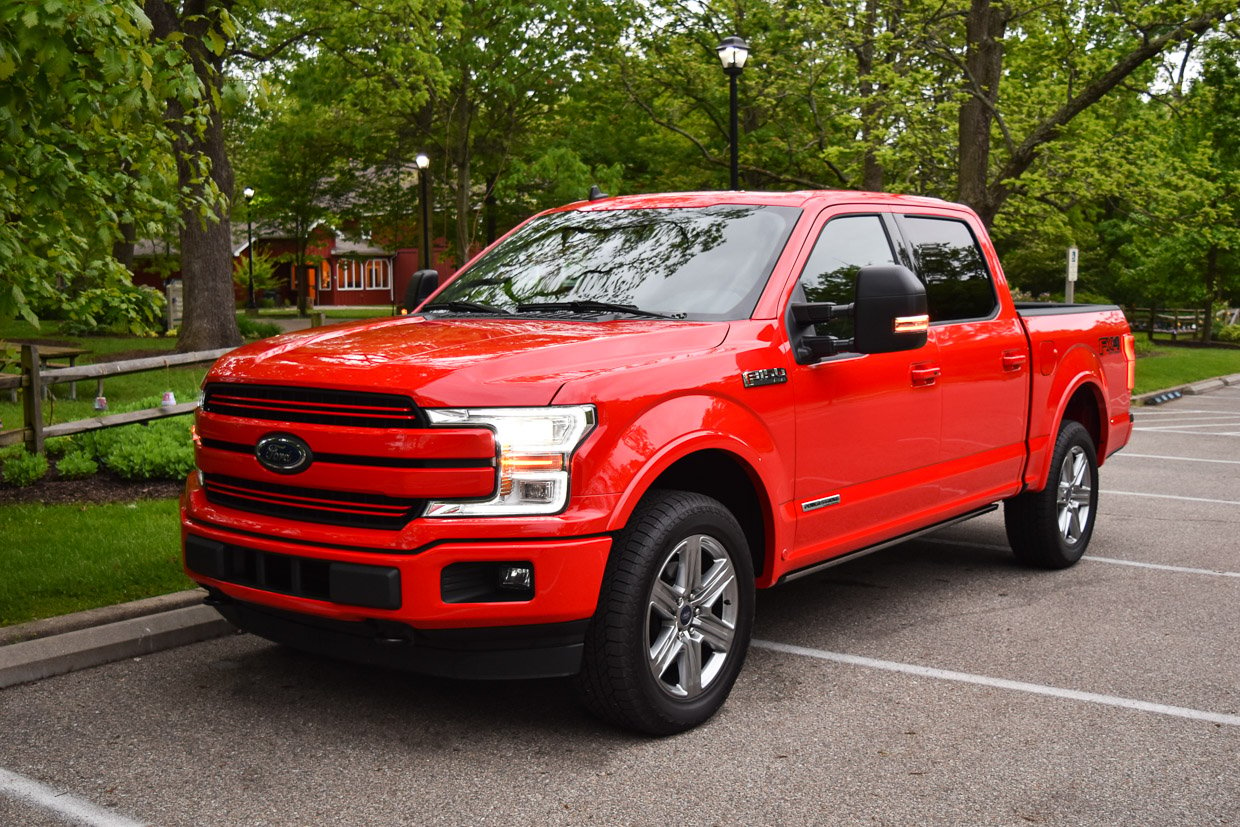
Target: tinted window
<point x="844" y="246"/>
<point x="947" y="258"/>
<point x="695" y="263"/>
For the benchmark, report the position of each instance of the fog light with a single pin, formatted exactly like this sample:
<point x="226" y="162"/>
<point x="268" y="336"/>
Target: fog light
<point x="518" y="578"/>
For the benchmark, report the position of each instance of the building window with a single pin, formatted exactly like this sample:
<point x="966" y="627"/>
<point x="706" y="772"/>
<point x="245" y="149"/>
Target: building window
<point x="378" y="274"/>
<point x="348" y="275"/>
<point x="325" y="276"/>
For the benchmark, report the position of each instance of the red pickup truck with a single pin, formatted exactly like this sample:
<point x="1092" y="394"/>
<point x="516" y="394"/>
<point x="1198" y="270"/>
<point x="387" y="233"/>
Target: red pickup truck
<point x="584" y="452"/>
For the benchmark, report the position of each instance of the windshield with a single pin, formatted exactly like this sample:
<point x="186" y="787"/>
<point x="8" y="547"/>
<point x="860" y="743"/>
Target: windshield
<point x="706" y="263"/>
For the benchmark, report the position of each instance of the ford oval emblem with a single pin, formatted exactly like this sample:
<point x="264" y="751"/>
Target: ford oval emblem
<point x="283" y="453"/>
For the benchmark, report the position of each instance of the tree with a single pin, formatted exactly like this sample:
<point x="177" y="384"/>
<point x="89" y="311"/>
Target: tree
<point x="201" y="30"/>
<point x="1130" y="39"/>
<point x="83" y="92"/>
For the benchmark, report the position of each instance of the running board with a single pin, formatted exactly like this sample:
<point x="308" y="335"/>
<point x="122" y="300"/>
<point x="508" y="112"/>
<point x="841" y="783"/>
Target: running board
<point x="862" y="552"/>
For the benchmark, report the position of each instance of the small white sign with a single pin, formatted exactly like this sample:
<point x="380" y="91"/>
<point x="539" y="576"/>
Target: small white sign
<point x="1073" y="254"/>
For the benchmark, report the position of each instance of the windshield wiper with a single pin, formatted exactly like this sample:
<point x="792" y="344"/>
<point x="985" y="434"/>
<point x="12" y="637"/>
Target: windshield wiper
<point x="467" y="307"/>
<point x="586" y="306"/>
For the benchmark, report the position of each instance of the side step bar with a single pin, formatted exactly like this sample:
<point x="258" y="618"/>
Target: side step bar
<point x="862" y="552"/>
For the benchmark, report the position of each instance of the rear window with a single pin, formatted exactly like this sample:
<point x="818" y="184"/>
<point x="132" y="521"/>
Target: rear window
<point x="948" y="259"/>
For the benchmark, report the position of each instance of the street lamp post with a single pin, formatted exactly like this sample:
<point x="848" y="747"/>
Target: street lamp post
<point x="248" y="192"/>
<point x="424" y="184"/>
<point x="733" y="51"/>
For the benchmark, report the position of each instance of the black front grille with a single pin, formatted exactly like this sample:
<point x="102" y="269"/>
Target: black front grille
<point x="316" y="405"/>
<point x="312" y="504"/>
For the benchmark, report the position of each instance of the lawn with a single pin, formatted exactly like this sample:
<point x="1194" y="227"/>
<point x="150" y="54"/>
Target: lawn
<point x="1170" y="367"/>
<point x="65" y="558"/>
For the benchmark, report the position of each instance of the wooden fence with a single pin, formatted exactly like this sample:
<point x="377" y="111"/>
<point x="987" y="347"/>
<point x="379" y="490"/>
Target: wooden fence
<point x="1176" y="322"/>
<point x="35" y="379"/>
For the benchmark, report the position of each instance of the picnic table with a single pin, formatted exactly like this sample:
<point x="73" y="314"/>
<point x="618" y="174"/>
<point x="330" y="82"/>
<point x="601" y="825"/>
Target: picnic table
<point x="50" y="356"/>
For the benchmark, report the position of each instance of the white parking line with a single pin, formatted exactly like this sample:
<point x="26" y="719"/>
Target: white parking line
<point x="1090" y="557"/>
<point x="1123" y="454"/>
<point x="1189" y="423"/>
<point x="1169" y="497"/>
<point x="1189" y="433"/>
<point x="78" y="810"/>
<point x="1001" y="683"/>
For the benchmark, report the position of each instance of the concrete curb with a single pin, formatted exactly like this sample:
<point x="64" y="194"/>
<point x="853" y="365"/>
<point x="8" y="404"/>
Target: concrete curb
<point x="100" y="616"/>
<point x="111" y="634"/>
<point x="1194" y="389"/>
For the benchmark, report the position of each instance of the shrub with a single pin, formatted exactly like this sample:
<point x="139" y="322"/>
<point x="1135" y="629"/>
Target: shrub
<point x="1228" y="333"/>
<point x="58" y="447"/>
<point x="251" y="329"/>
<point x="160" y="450"/>
<point x="76" y="466"/>
<point x="123" y="309"/>
<point x="25" y="469"/>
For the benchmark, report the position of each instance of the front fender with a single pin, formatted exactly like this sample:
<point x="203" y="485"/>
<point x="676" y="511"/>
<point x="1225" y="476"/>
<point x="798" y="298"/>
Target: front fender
<point x="639" y="451"/>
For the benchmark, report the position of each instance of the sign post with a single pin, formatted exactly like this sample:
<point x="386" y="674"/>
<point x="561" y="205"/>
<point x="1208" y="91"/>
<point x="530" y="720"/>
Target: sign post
<point x="1069" y="291"/>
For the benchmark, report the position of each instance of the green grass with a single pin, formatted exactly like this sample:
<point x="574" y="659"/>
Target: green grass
<point x="59" y="559"/>
<point x="1171" y="367"/>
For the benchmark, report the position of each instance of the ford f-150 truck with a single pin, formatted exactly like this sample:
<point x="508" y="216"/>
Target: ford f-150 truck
<point x="584" y="452"/>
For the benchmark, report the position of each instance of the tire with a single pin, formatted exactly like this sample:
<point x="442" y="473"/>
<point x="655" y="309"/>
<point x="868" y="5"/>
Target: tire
<point x="669" y="636"/>
<point x="1051" y="528"/>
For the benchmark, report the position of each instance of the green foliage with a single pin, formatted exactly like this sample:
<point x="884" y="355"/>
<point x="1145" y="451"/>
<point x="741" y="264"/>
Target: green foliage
<point x="158" y="450"/>
<point x="1228" y="333"/>
<point x="76" y="465"/>
<point x="264" y="273"/>
<point x="24" y="469"/>
<point x="121" y="309"/>
<point x="87" y="141"/>
<point x="252" y="329"/>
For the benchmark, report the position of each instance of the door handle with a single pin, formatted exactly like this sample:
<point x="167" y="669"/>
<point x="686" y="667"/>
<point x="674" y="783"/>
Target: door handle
<point x="925" y="374"/>
<point x="1014" y="360"/>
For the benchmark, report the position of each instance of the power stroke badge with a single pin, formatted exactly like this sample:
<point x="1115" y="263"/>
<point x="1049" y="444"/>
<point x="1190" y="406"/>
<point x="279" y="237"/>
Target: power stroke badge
<point x="283" y="453"/>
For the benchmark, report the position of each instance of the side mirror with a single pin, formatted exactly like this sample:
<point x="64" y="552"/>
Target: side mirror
<point x="890" y="311"/>
<point x="420" y="287"/>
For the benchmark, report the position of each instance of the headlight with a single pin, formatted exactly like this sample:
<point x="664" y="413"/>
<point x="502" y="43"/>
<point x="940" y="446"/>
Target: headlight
<point x="535" y="448"/>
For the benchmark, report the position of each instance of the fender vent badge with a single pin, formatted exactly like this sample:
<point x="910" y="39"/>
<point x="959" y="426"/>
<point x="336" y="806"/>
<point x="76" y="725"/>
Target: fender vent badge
<point x="766" y="376"/>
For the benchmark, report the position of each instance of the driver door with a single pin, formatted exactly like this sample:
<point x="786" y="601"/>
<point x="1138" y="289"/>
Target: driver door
<point x="867" y="426"/>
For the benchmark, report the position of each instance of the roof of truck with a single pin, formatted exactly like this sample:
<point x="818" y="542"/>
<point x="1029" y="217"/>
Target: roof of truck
<point x="799" y="198"/>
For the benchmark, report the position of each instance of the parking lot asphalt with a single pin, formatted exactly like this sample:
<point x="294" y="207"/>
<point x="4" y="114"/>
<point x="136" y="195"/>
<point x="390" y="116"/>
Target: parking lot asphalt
<point x="932" y="683"/>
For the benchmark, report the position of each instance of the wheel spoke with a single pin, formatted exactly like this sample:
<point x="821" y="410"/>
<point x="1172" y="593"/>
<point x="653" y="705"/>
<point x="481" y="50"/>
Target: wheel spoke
<point x="691" y="667"/>
<point x="666" y="649"/>
<point x="715" y="633"/>
<point x="663" y="599"/>
<point x="714" y="583"/>
<point x="689" y="573"/>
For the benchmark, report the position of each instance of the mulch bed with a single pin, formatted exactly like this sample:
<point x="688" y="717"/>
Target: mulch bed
<point x="101" y="488"/>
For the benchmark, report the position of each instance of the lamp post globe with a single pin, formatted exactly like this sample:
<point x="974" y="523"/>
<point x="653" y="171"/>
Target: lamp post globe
<point x="733" y="52"/>
<point x="248" y="192"/>
<point x="424" y="185"/>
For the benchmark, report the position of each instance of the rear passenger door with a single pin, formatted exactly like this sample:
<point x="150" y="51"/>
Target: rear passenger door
<point x="983" y="355"/>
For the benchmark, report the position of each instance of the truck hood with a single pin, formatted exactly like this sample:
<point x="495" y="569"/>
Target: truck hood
<point x="462" y="362"/>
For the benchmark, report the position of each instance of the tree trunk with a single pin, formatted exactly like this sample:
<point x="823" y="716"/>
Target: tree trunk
<point x="984" y="68"/>
<point x="1207" y="329"/>
<point x="872" y="174"/>
<point x="209" y="320"/>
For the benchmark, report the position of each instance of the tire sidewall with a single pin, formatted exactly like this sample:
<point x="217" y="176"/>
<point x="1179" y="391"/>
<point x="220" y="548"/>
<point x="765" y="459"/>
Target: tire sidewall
<point x="1073" y="435"/>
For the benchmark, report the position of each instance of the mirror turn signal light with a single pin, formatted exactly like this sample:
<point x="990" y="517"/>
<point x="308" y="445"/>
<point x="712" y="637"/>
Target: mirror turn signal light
<point x="912" y="324"/>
